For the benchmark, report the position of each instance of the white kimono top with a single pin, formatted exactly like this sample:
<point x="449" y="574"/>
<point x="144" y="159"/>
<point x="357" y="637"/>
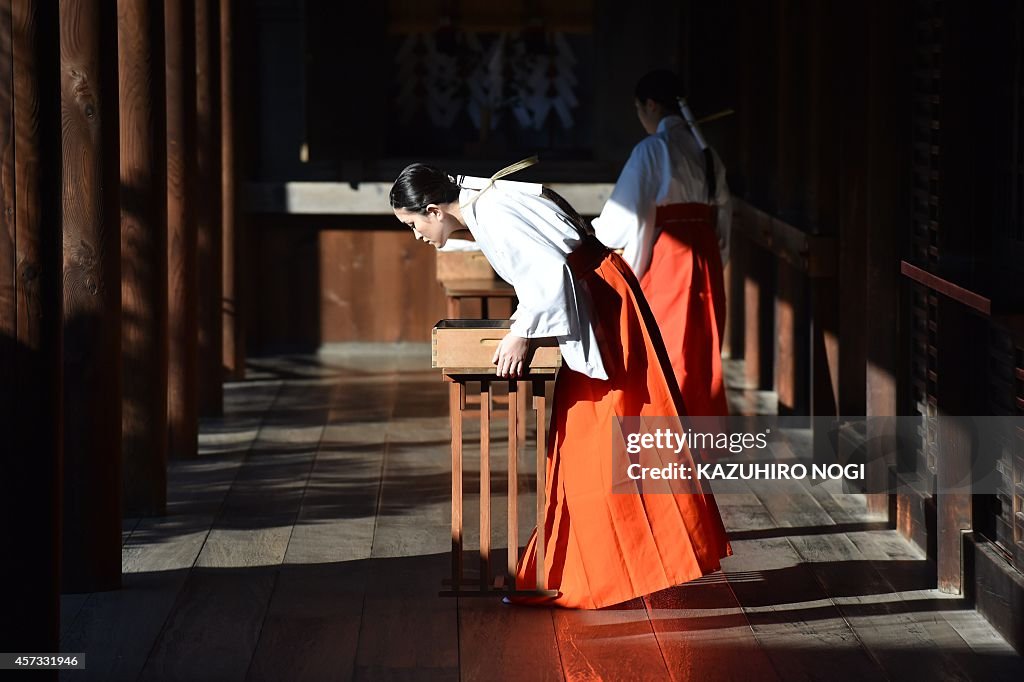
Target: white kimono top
<point x="526" y="238"/>
<point x="664" y="168"/>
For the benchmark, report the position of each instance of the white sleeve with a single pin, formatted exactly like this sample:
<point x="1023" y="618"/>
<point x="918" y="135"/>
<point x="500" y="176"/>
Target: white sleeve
<point x="536" y="269"/>
<point x="627" y="220"/>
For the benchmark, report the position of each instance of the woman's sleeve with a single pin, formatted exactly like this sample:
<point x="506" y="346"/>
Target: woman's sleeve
<point x="627" y="220"/>
<point x="534" y="267"/>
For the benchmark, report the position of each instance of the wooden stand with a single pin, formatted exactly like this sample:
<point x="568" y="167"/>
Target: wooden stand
<point x="468" y="343"/>
<point x="484" y="289"/>
<point x="467" y="274"/>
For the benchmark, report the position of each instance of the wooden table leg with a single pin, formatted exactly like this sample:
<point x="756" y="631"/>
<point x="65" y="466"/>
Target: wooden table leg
<point x="454" y="308"/>
<point x="513" y="481"/>
<point x="456" y="403"/>
<point x="539" y="406"/>
<point x="485" y="485"/>
<point x="521" y="407"/>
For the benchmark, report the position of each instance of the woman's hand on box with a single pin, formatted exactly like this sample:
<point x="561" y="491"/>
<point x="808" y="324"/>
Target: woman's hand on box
<point x="510" y="356"/>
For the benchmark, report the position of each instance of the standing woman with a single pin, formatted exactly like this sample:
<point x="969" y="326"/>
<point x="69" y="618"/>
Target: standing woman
<point x="602" y="548"/>
<point x="669" y="212"/>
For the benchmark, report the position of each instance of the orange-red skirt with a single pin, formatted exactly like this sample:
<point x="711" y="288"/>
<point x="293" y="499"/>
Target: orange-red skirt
<point x="686" y="290"/>
<point x="604" y="548"/>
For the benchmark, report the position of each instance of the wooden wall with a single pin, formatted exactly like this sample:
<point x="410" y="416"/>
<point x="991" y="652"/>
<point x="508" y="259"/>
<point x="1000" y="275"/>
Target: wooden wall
<point x="316" y="283"/>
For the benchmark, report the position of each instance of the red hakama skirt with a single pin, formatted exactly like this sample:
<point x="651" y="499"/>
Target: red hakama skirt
<point x="686" y="290"/>
<point x="604" y="548"/>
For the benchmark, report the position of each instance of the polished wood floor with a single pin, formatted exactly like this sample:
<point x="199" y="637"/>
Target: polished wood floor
<point x="310" y="538"/>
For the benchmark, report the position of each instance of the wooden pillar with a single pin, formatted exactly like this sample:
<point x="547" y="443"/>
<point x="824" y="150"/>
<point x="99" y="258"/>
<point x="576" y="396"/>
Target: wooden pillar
<point x="143" y="257"/>
<point x="92" y="297"/>
<point x="888" y="215"/>
<point x="824" y="359"/>
<point x="208" y="209"/>
<point x="821" y="192"/>
<point x="792" y="344"/>
<point x="182" y="267"/>
<point x="789" y="344"/>
<point x="957" y="344"/>
<point x="30" y="324"/>
<point x="234" y="337"/>
<point x="8" y="238"/>
<point x="854" y="181"/>
<point x="759" y="310"/>
<point x="954" y="443"/>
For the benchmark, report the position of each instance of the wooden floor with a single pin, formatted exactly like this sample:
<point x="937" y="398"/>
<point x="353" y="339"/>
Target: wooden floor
<point x="309" y="540"/>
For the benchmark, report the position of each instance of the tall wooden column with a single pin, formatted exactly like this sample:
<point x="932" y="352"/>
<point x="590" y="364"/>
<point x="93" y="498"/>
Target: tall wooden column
<point x="92" y="297"/>
<point x="182" y="270"/>
<point x="143" y="257"/>
<point x="821" y="189"/>
<point x="234" y="338"/>
<point x="30" y="324"/>
<point x="208" y="209"/>
<point x="791" y="345"/>
<point x="854" y="182"/>
<point x="888" y="216"/>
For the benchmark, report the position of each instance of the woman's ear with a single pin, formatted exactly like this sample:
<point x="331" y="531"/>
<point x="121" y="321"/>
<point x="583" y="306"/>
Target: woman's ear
<point x="434" y="211"/>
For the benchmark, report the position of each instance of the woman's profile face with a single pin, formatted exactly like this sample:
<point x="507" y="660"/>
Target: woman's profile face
<point x="432" y="227"/>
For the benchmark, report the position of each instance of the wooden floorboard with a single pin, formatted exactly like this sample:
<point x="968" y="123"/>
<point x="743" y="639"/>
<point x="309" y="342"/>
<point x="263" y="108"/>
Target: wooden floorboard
<point x="311" y="631"/>
<point x="613" y="643"/>
<point x="310" y="537"/>
<point x="406" y="631"/>
<point x="213" y="630"/>
<point x="704" y="634"/>
<point x="311" y="628"/>
<point x="498" y="641"/>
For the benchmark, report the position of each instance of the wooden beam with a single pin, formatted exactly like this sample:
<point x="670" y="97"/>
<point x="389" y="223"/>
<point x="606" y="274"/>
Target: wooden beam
<point x="143" y="258"/>
<point x="233" y="327"/>
<point x="208" y="209"/>
<point x="371" y="198"/>
<point x="92" y="297"/>
<point x="30" y="322"/>
<point x="182" y="267"/>
<point x="815" y="255"/>
<point x="972" y="299"/>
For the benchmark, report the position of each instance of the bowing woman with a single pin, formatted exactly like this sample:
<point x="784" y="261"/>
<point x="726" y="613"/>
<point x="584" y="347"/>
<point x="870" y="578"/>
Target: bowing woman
<point x="669" y="212"/>
<point x="602" y="548"/>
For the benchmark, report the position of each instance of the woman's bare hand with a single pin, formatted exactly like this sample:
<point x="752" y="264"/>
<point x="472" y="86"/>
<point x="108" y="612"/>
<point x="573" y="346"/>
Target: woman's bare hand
<point x="510" y="356"/>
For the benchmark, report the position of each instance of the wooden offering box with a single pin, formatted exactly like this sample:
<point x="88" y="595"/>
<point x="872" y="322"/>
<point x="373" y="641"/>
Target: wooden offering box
<point x="467" y="346"/>
<point x="463" y="350"/>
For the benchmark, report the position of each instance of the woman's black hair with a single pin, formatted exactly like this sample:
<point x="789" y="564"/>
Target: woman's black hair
<point x="663" y="87"/>
<point x="420" y="185"/>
